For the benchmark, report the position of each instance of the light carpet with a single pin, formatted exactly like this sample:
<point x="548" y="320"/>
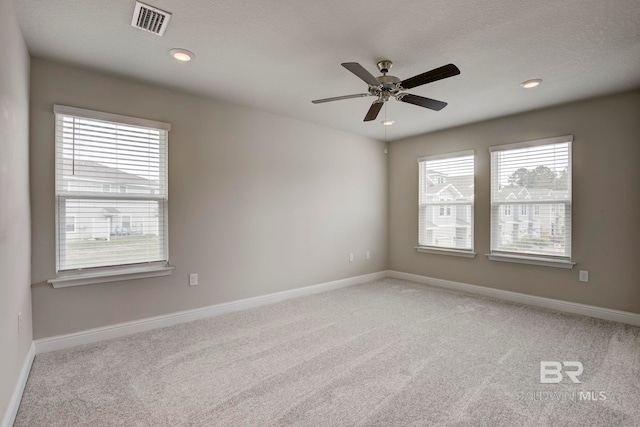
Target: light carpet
<point x="385" y="353"/>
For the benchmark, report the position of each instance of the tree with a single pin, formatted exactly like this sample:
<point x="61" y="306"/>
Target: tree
<point x="562" y="182"/>
<point x="520" y="178"/>
<point x="540" y="177"/>
<point x="543" y="177"/>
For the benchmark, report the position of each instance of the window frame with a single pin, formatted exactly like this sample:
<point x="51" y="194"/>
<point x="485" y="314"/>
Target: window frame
<point x="110" y="273"/>
<point x="447" y="205"/>
<point x="561" y="261"/>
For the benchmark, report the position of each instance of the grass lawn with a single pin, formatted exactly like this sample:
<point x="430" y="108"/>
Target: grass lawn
<point x="118" y="250"/>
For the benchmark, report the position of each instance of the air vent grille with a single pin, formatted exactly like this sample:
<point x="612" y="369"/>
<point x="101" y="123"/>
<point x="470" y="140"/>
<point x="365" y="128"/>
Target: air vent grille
<point x="149" y="18"/>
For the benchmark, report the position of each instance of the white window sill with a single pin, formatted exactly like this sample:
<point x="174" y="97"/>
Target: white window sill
<point x="115" y="275"/>
<point x="523" y="259"/>
<point x="452" y="252"/>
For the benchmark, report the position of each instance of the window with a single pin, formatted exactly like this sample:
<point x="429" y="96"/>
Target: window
<point x="445" y="210"/>
<point x="126" y="221"/>
<point x="100" y="153"/>
<point x="70" y="224"/>
<point x="536" y="173"/>
<point x="446" y="194"/>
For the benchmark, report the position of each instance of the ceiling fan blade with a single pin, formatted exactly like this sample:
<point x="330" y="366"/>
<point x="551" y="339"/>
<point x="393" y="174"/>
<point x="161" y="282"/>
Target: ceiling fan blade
<point x="338" y="98"/>
<point x="360" y="71"/>
<point x="443" y="72"/>
<point x="373" y="111"/>
<point x="421" y="101"/>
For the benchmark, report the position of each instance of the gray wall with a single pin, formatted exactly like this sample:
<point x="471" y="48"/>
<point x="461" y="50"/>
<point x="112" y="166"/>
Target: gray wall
<point x="15" y="258"/>
<point x="258" y="203"/>
<point x="606" y="202"/>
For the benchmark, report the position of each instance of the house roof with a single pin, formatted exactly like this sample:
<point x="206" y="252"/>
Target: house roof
<point x="515" y="193"/>
<point x="111" y="211"/>
<point x="461" y="184"/>
<point x="95" y="171"/>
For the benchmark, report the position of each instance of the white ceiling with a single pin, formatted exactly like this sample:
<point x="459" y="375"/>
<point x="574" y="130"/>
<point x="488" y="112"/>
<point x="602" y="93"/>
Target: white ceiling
<point x="278" y="55"/>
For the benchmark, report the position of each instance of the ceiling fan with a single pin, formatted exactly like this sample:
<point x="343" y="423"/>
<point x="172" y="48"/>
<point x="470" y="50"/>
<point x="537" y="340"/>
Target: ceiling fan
<point x="385" y="86"/>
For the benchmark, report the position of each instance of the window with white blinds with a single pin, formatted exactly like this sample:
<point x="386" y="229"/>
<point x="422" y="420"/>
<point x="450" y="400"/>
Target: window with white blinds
<point x="111" y="190"/>
<point x="446" y="195"/>
<point x="531" y="198"/>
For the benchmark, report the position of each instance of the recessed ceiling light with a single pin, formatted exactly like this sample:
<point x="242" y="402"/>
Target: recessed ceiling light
<point x="529" y="84"/>
<point x="182" y="54"/>
<point x="388" y="122"/>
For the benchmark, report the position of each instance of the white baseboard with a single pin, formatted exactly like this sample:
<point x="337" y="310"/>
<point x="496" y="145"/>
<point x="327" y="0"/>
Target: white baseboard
<point x="554" y="304"/>
<point x="59" y="342"/>
<point x="14" y="403"/>
<point x="121" y="329"/>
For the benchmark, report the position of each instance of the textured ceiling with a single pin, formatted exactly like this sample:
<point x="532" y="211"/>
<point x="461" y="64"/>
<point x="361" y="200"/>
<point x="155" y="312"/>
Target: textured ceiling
<point x="279" y="55"/>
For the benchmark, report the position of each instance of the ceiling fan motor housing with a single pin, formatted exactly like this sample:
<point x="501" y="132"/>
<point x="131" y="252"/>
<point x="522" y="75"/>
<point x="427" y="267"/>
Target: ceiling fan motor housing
<point x="384" y="66"/>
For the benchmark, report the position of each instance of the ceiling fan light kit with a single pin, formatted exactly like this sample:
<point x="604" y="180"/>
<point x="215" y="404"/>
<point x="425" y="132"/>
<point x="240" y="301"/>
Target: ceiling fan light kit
<point x="385" y="87"/>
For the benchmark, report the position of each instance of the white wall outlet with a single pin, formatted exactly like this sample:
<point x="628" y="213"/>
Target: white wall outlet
<point x="19" y="323"/>
<point x="193" y="279"/>
<point x="367" y="255"/>
<point x="351" y="257"/>
<point x="584" y="276"/>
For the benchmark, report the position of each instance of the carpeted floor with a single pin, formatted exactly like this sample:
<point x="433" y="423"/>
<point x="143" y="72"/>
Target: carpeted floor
<point x="385" y="353"/>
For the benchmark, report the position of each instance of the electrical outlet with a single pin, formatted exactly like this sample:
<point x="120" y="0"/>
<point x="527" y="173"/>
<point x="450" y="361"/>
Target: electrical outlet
<point x="584" y="276"/>
<point x="367" y="255"/>
<point x="351" y="257"/>
<point x="193" y="279"/>
<point x="19" y="323"/>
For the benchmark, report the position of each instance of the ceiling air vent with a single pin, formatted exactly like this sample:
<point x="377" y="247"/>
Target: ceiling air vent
<point x="149" y="18"/>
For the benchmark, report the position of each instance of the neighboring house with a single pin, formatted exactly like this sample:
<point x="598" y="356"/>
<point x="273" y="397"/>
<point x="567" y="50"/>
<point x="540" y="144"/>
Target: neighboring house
<point x="531" y="220"/>
<point x="449" y="225"/>
<point x="98" y="214"/>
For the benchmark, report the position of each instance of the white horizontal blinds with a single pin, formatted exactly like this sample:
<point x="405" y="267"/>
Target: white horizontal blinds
<point x="531" y="198"/>
<point x="102" y="233"/>
<point x="111" y="187"/>
<point x="446" y="196"/>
